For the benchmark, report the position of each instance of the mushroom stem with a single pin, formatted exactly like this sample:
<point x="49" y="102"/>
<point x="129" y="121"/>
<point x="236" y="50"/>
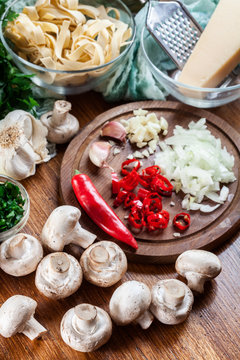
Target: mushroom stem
<point x="173" y="293"/>
<point x="85" y="318"/>
<point x="33" y="328"/>
<point x="145" y="319"/>
<point x="60" y="111"/>
<point x="99" y="257"/>
<point x="195" y="281"/>
<point x="16" y="247"/>
<point x="82" y="237"/>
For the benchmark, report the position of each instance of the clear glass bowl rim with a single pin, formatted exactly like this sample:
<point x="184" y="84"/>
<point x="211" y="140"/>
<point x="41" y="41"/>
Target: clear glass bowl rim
<point x="43" y="69"/>
<point x="175" y="82"/>
<point x="16" y="228"/>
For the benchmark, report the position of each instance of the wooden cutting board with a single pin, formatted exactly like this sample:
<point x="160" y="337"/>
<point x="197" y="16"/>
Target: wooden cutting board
<point x="206" y="231"/>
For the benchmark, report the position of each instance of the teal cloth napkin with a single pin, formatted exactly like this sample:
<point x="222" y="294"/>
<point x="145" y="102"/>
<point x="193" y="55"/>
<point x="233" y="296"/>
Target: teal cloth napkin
<point x="133" y="79"/>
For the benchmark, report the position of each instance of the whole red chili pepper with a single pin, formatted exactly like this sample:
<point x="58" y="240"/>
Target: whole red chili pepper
<point x="181" y="221"/>
<point x="127" y="162"/>
<point x="161" y="185"/>
<point x="99" y="211"/>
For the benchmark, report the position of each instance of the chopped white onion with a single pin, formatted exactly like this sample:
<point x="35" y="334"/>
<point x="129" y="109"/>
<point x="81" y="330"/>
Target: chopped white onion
<point x="195" y="162"/>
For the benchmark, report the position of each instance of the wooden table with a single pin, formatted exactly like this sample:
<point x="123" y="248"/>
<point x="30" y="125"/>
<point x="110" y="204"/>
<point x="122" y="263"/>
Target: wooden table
<point x="212" y="329"/>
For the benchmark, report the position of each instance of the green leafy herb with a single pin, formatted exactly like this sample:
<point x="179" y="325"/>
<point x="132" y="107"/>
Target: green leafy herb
<point x="15" y="87"/>
<point x="11" y="205"/>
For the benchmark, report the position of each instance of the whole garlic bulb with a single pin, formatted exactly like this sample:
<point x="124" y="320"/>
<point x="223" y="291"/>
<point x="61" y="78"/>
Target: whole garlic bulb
<point x="22" y="144"/>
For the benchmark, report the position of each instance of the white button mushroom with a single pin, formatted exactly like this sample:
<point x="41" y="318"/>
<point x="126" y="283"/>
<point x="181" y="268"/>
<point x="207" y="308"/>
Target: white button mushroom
<point x="62" y="228"/>
<point x="61" y="125"/>
<point x="86" y="327"/>
<point x="20" y="254"/>
<point x="23" y="144"/>
<point x="130" y="303"/>
<point x="171" y="301"/>
<point x="103" y="263"/>
<point x="16" y="316"/>
<point x="198" y="266"/>
<point x="58" y="275"/>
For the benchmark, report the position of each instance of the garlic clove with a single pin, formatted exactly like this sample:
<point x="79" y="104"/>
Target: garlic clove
<point x="99" y="152"/>
<point x="114" y="130"/>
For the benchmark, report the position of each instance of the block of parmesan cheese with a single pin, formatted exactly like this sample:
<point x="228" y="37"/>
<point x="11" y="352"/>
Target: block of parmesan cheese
<point x="217" y="52"/>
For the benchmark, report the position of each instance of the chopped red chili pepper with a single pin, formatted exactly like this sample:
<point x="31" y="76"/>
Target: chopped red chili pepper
<point x="121" y="196"/>
<point x="136" y="202"/>
<point x="149" y="172"/>
<point x="130" y="181"/>
<point x="128" y="202"/>
<point x="161" y="185"/>
<point x="151" y="206"/>
<point x="115" y="183"/>
<point x="142" y="193"/>
<point x="165" y="213"/>
<point x="182" y="221"/>
<point x="135" y="218"/>
<point x="144" y="183"/>
<point x="156" y="221"/>
<point x="127" y="162"/>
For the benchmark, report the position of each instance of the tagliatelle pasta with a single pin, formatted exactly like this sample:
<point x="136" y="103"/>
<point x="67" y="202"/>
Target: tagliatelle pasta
<point x="68" y="36"/>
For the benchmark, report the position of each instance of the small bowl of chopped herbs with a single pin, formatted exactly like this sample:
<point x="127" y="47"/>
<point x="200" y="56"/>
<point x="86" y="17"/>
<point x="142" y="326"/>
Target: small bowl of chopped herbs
<point x="14" y="207"/>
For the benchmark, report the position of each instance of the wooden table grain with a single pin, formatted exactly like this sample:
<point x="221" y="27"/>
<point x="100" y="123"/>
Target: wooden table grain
<point x="212" y="331"/>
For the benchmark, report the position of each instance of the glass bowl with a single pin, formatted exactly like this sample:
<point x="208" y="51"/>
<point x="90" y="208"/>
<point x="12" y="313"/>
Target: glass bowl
<point x="78" y="81"/>
<point x="15" y="229"/>
<point x="166" y="78"/>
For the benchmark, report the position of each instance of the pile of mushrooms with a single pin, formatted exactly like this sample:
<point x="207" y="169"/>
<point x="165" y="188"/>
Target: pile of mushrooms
<point x="87" y="327"/>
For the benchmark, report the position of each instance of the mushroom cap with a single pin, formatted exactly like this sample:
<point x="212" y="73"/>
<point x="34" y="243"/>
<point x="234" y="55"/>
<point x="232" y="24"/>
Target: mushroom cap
<point x="129" y="301"/>
<point x="20" y="254"/>
<point x="172" y="301"/>
<point x="14" y="313"/>
<point x="103" y="263"/>
<point x="58" y="227"/>
<point x="58" y="275"/>
<point x="86" y="327"/>
<point x="198" y="266"/>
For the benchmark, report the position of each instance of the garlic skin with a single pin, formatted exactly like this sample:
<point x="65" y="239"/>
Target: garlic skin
<point x="23" y="144"/>
<point x="99" y="152"/>
<point x="114" y="130"/>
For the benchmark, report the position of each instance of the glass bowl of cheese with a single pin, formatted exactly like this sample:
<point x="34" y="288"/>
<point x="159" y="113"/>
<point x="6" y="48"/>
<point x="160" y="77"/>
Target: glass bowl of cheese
<point x="70" y="46"/>
<point x="166" y="75"/>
